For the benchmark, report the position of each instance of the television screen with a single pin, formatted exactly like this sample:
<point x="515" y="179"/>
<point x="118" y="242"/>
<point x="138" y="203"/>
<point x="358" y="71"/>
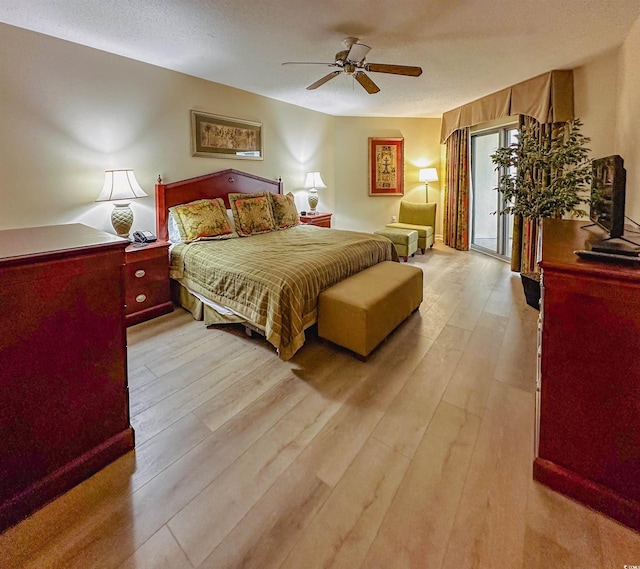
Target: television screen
<point x="607" y="194"/>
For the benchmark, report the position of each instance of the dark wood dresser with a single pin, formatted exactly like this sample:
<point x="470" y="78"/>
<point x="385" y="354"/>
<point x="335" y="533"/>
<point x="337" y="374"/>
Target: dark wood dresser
<point x="64" y="413"/>
<point x="589" y="375"/>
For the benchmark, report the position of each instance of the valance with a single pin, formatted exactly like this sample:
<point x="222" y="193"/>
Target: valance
<point x="547" y="98"/>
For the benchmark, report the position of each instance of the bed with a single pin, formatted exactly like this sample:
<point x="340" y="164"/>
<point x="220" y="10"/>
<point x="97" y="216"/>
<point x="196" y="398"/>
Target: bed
<point x="269" y="281"/>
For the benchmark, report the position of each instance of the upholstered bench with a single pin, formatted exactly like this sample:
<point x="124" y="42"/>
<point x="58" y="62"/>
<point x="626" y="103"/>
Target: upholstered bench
<point x="404" y="240"/>
<point x="361" y="311"/>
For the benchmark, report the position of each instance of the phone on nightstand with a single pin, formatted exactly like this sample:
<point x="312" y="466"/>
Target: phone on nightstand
<point x="144" y="237"/>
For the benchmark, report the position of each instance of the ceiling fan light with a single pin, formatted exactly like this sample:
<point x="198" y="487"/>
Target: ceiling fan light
<point x="358" y="52"/>
<point x="341" y="56"/>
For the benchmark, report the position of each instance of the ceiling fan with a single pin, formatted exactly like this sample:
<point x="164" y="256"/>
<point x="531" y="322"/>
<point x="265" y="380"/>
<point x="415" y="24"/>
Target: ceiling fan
<point x="352" y="62"/>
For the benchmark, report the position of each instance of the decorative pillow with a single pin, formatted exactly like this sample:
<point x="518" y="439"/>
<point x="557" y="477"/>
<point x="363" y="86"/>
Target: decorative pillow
<point x="252" y="213"/>
<point x="202" y="219"/>
<point x="285" y="212"/>
<point x="230" y="216"/>
<point x="174" y="232"/>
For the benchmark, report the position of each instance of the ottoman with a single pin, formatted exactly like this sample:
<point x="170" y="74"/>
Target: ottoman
<point x="404" y="240"/>
<point x="359" y="312"/>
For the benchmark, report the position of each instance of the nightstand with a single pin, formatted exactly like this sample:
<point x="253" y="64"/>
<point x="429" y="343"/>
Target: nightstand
<point x="147" y="282"/>
<point x="320" y="219"/>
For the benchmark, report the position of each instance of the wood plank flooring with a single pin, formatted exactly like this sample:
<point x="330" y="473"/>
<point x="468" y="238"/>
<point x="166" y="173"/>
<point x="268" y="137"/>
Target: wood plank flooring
<point x="420" y="457"/>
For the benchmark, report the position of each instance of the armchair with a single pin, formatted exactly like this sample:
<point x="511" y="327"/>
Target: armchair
<point x="420" y="217"/>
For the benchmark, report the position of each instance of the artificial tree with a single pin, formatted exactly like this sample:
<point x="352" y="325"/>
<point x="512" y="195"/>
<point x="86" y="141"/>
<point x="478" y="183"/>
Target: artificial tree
<point x="547" y="173"/>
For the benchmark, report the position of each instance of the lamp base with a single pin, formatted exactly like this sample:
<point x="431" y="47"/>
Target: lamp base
<point x="312" y="198"/>
<point x="122" y="219"/>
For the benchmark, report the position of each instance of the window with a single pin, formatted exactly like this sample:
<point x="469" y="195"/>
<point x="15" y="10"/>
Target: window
<point x="491" y="233"/>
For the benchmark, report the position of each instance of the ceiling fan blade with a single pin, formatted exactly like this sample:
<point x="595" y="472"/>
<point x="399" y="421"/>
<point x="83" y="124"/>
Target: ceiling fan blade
<point x="308" y="63"/>
<point x="364" y="80"/>
<point x="358" y="52"/>
<point x="322" y="81"/>
<point x="394" y="69"/>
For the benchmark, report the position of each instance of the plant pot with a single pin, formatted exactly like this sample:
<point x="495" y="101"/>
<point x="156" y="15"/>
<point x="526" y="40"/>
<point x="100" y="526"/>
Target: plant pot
<point x="531" y="286"/>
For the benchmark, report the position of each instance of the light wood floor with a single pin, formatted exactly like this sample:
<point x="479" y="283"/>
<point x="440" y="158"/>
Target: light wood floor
<point x="420" y="457"/>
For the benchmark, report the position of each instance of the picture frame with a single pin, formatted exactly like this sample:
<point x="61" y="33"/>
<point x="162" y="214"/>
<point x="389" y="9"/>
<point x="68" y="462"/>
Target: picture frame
<point x="386" y="166"/>
<point x="217" y="136"/>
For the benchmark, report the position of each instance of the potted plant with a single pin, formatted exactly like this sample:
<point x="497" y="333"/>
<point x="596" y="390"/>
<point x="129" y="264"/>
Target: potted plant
<point x="544" y="175"/>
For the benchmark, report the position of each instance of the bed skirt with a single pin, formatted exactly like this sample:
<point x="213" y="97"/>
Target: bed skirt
<point x="201" y="311"/>
<point x="210" y="316"/>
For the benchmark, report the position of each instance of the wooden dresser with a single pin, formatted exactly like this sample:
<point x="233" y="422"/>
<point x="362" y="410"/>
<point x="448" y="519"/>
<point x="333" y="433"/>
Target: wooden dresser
<point x="588" y="411"/>
<point x="63" y="362"/>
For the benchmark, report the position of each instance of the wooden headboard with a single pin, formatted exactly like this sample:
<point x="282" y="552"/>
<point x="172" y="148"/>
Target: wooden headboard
<point x="216" y="185"/>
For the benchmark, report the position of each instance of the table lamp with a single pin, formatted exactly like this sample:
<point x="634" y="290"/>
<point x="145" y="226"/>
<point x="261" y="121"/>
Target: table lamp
<point x="121" y="185"/>
<point x="312" y="182"/>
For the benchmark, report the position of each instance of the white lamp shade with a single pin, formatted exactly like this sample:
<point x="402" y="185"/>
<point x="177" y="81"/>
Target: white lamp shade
<point x="314" y="180"/>
<point x="428" y="175"/>
<point x="120" y="185"/>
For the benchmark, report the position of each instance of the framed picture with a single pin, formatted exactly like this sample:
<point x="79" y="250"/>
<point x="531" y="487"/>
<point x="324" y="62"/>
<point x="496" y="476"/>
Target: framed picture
<point x="386" y="166"/>
<point x="224" y="137"/>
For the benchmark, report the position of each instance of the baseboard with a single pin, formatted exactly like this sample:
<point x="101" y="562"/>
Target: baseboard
<point x="60" y="481"/>
<point x="589" y="493"/>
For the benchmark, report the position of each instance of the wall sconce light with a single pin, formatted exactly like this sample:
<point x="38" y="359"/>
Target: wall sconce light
<point x="121" y="185"/>
<point x="427" y="175"/>
<point x="312" y="182"/>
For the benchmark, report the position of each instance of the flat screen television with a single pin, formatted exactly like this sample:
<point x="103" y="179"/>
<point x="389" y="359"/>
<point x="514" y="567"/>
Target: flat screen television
<point x="607" y="194"/>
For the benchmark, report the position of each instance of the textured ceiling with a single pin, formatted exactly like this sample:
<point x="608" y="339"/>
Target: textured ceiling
<point x="466" y="48"/>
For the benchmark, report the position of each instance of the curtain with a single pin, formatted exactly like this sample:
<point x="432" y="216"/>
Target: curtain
<point x="547" y="97"/>
<point x="525" y="250"/>
<point x="516" y="244"/>
<point x="456" y="196"/>
<point x="529" y="255"/>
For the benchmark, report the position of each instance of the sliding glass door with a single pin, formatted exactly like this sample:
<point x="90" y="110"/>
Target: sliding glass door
<point x="490" y="233"/>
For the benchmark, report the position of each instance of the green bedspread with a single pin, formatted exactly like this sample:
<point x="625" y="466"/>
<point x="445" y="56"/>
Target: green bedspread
<point x="274" y="279"/>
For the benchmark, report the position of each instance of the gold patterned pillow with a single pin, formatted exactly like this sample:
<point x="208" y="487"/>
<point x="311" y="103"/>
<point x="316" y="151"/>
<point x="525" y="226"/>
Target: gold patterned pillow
<point x="252" y="213"/>
<point x="285" y="212"/>
<point x="202" y="219"/>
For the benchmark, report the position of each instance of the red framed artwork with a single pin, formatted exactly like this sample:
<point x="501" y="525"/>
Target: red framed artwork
<point x="386" y="166"/>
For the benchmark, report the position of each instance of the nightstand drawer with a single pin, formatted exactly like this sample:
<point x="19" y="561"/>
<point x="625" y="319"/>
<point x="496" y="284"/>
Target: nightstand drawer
<point x="147" y="282"/>
<point x="146" y="271"/>
<point x="319" y="219"/>
<point x="146" y="295"/>
<point x="325" y="222"/>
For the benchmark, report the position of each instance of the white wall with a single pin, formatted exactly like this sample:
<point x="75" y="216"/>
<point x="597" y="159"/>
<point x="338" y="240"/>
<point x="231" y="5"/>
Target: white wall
<point x="627" y="136"/>
<point x="595" y="85"/>
<point x="607" y="99"/>
<point x="355" y="209"/>
<point x="595" y="89"/>
<point x="69" y="112"/>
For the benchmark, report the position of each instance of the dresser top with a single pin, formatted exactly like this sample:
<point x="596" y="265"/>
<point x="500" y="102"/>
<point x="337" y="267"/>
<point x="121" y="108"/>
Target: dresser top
<point x="560" y="238"/>
<point x="53" y="240"/>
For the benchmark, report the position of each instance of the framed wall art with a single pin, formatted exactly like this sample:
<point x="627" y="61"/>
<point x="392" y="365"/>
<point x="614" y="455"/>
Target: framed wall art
<point x="216" y="136"/>
<point x="386" y="166"/>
